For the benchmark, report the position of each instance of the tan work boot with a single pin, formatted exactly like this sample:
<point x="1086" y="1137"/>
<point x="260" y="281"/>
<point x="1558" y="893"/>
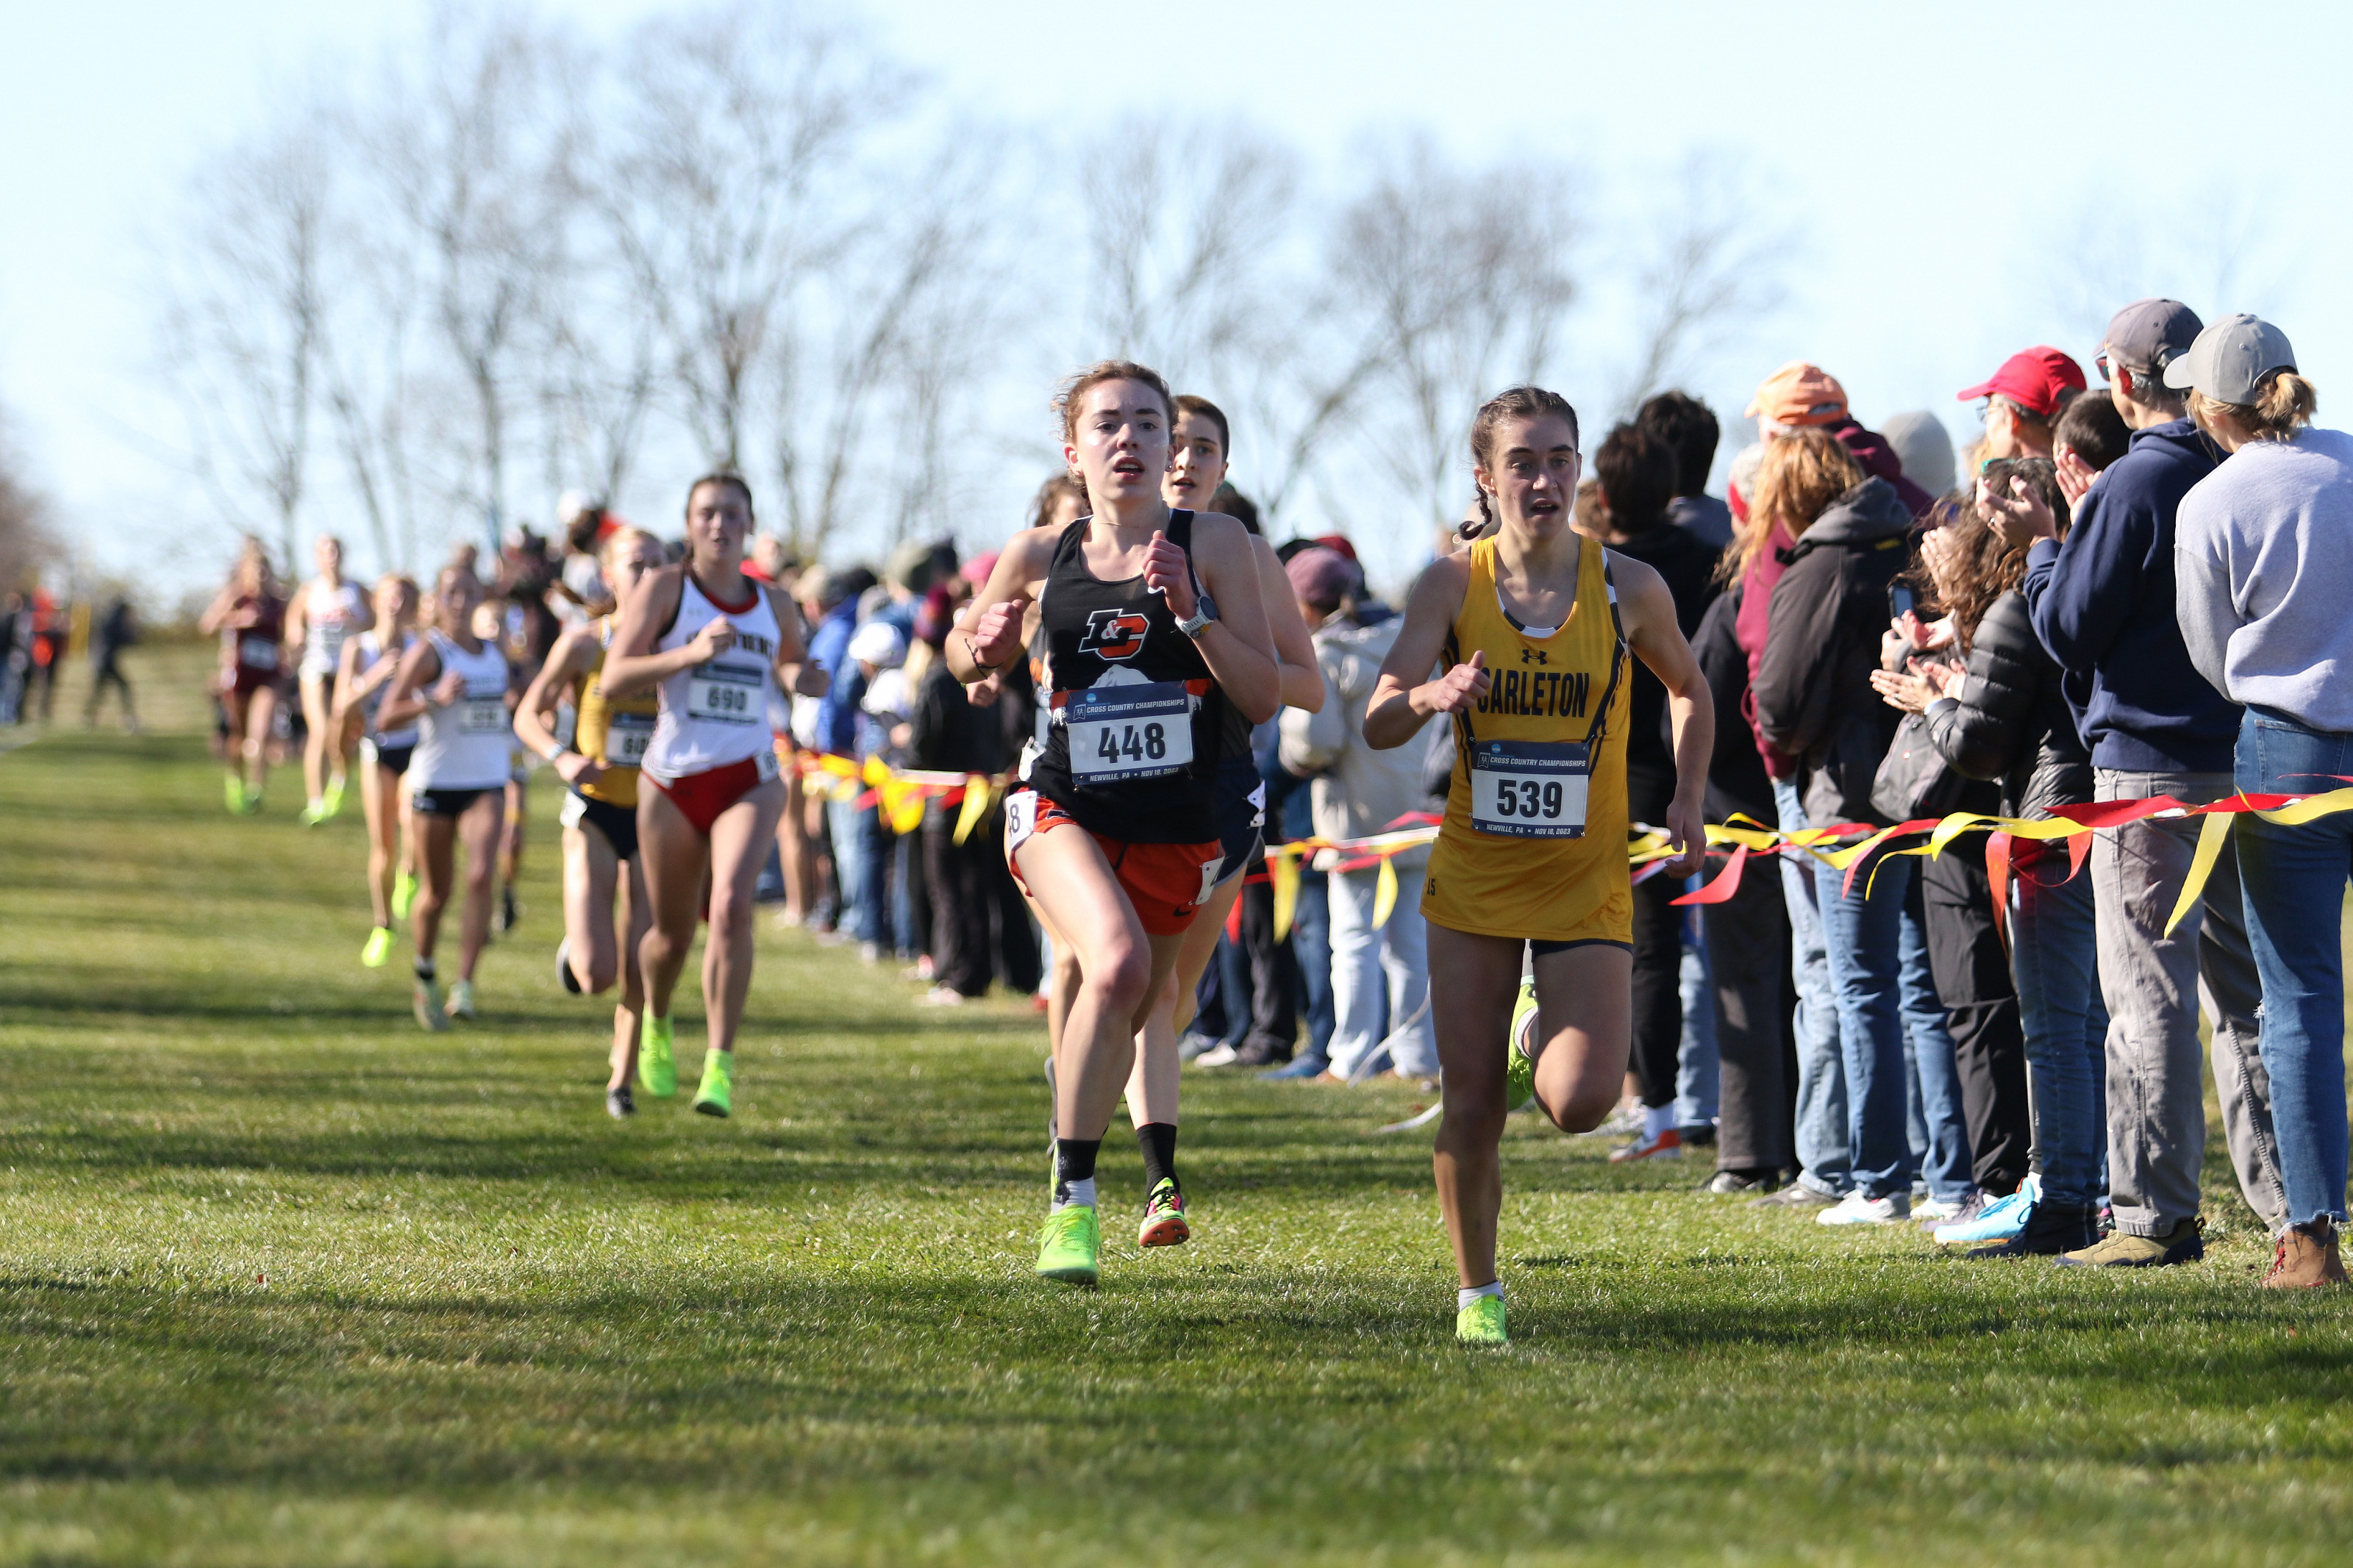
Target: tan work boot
<point x="2121" y="1249"/>
<point x="2306" y="1259"/>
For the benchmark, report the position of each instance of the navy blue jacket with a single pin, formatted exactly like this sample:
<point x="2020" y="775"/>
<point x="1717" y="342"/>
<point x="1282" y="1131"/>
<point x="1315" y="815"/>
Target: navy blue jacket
<point x="2102" y="602"/>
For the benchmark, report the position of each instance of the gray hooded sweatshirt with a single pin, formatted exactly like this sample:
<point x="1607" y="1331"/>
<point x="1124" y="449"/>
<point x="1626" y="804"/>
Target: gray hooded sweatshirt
<point x="2263" y="553"/>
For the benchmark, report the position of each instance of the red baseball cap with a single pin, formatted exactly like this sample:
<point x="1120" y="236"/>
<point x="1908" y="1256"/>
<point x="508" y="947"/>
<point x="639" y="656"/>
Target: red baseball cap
<point x="2031" y="379"/>
<point x="1338" y="541"/>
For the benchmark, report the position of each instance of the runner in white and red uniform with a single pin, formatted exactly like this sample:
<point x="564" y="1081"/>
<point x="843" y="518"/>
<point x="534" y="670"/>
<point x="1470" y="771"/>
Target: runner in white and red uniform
<point x="722" y="650"/>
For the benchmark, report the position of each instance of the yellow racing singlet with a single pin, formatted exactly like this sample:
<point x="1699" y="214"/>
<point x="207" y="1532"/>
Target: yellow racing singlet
<point x="1534" y="844"/>
<point x="615" y="734"/>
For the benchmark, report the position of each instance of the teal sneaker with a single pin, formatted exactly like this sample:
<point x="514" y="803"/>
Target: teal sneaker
<point x="1998" y="1220"/>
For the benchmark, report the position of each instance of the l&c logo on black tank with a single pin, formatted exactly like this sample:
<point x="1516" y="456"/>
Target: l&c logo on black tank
<point x="1538" y="694"/>
<point x="1114" y="634"/>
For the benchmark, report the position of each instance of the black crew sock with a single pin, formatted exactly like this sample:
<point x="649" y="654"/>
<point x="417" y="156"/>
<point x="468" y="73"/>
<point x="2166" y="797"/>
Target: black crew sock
<point x="425" y="970"/>
<point x="1158" y="1142"/>
<point x="1074" y="1162"/>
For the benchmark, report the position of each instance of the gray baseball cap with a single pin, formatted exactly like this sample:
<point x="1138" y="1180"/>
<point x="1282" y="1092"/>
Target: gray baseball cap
<point x="2149" y="334"/>
<point x="2230" y="359"/>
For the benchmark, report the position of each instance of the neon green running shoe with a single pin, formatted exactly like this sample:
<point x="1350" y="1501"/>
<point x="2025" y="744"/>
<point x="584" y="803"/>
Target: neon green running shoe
<point x="1069" y="1246"/>
<point x="1520" y="1069"/>
<point x="718" y="1083"/>
<point x="430" y="1013"/>
<point x="252" y="807"/>
<point x="657" y="1073"/>
<point x="314" y="813"/>
<point x="404" y="894"/>
<point x="378" y="948"/>
<point x="461" y="1000"/>
<point x="232" y="793"/>
<point x="335" y="791"/>
<point x="1482" y="1322"/>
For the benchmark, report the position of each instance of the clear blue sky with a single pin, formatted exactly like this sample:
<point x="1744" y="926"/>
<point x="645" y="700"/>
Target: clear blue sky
<point x="1964" y="180"/>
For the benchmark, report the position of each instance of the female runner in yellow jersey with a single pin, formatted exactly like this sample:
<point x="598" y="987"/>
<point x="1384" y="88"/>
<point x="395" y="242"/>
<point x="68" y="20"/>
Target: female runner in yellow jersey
<point x="600" y="813"/>
<point x="1533" y="624"/>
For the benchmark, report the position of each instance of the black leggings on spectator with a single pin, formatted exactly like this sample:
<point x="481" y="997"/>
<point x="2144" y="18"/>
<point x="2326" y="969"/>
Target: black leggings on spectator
<point x="1755" y="1002"/>
<point x="1658" y="954"/>
<point x="1973" y="981"/>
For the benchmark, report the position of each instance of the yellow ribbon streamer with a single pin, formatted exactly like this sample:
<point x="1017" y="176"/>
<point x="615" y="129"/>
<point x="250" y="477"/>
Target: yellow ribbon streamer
<point x="1385" y="892"/>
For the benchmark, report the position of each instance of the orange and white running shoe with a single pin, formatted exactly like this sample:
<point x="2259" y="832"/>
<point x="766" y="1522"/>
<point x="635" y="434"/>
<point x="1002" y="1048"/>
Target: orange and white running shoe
<point x="1164" y="1217"/>
<point x="1667" y="1145"/>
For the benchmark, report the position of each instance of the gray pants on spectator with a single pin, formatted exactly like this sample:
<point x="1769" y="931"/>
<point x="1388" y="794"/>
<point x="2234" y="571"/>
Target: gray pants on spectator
<point x="2154" y="985"/>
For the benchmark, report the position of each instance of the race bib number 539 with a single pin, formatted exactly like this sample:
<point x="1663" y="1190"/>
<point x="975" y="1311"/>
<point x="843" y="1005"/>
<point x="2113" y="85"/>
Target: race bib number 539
<point x="1529" y="789"/>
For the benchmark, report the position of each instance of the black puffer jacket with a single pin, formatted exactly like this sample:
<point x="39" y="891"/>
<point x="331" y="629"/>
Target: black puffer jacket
<point x="2011" y="721"/>
<point x="1814" y="699"/>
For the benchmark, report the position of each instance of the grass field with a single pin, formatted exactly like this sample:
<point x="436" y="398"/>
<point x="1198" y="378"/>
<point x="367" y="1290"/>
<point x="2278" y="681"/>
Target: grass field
<point x="283" y="1280"/>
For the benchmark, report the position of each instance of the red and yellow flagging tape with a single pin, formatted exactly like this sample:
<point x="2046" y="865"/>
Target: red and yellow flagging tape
<point x="1846" y="847"/>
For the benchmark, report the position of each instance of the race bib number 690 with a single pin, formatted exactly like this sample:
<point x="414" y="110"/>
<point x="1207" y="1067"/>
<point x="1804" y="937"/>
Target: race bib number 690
<point x="1529" y="789"/>
<point x="725" y="694"/>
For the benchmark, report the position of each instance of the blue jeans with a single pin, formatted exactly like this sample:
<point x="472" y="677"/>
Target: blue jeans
<point x="1937" y="1131"/>
<point x="2293" y="882"/>
<point x="1821" y="1117"/>
<point x="2055" y="958"/>
<point x="849" y="863"/>
<point x="1311" y="942"/>
<point x="1697" y="1064"/>
<point x="1865" y="930"/>
<point x="886" y="911"/>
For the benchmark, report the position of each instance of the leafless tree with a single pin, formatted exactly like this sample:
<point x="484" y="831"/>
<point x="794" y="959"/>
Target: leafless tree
<point x="1186" y="224"/>
<point x="474" y="149"/>
<point x="1712" y="271"/>
<point x="368" y="372"/>
<point x="242" y="311"/>
<point x="26" y="543"/>
<point x="1466" y="276"/>
<point x="724" y="190"/>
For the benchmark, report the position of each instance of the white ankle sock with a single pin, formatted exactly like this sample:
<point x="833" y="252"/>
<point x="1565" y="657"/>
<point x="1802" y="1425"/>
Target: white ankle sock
<point x="1463" y="1299"/>
<point x="1082" y="1194"/>
<point x="1657" y="1119"/>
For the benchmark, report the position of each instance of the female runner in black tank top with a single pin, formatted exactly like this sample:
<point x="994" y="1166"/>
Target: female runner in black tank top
<point x="1118" y="803"/>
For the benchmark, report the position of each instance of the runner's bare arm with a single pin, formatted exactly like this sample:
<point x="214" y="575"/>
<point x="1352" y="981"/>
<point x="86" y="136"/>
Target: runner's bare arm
<point x="1647" y="608"/>
<point x="341" y="686"/>
<point x="412" y="683"/>
<point x="632" y="664"/>
<point x="296" y="629"/>
<point x="1405" y="697"/>
<point x="987" y="632"/>
<point x="1294" y="650"/>
<point x="795" y="673"/>
<point x="566" y="662"/>
<point x="1239" y="645"/>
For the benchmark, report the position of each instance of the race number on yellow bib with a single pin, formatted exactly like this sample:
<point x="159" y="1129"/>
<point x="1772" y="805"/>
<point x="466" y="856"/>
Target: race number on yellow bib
<point x="725" y="694"/>
<point x="627" y="736"/>
<point x="1529" y="789"/>
<point x="1123" y="733"/>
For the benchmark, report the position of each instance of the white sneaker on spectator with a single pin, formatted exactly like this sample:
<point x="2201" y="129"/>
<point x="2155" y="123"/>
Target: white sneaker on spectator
<point x="1217" y="1055"/>
<point x="941" y="996"/>
<point x="1937" y="1211"/>
<point x="1856" y="1209"/>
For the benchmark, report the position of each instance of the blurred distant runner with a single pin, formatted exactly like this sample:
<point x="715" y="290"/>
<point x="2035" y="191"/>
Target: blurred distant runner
<point x="328" y="609"/>
<point x="250" y="616"/>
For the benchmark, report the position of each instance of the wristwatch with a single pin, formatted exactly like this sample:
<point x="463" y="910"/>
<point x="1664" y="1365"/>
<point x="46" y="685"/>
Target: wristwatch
<point x="1203" y="614"/>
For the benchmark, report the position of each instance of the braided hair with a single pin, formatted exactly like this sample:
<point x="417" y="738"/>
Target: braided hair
<point x="1513" y="403"/>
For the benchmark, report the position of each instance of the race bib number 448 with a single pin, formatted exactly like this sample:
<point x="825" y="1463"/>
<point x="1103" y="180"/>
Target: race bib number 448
<point x="1123" y="733"/>
<point x="1529" y="789"/>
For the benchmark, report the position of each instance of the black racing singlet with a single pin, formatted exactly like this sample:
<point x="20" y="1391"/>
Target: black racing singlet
<point x="1130" y="743"/>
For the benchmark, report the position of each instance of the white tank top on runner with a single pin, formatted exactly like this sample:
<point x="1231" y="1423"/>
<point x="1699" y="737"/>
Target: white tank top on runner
<point x="717" y="712"/>
<point x="372" y="653"/>
<point x="466" y="745"/>
<point x="329" y="616"/>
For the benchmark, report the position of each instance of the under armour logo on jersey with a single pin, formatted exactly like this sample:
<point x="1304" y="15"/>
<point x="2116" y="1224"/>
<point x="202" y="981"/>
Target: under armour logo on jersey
<point x="1114" y="634"/>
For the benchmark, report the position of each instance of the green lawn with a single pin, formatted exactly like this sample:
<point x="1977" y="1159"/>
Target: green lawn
<point x="283" y="1280"/>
